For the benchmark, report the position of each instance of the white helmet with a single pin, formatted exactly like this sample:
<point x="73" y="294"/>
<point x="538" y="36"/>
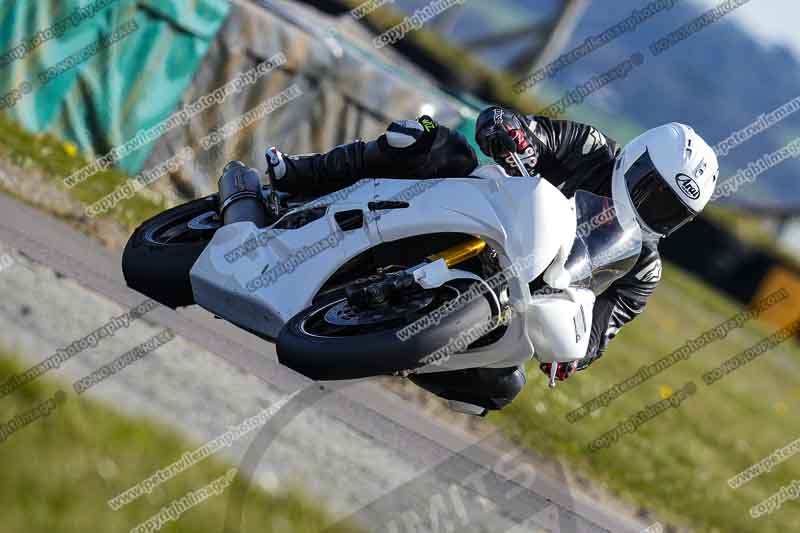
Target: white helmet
<point x="664" y="178"/>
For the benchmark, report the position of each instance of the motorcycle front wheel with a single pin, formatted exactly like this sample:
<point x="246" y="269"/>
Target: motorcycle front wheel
<point x="332" y="340"/>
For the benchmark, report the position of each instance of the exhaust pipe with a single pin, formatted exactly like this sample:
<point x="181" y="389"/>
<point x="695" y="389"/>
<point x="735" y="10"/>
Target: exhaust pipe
<point x="240" y="197"/>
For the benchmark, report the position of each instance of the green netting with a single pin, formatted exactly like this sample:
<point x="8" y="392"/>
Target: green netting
<point x="97" y="72"/>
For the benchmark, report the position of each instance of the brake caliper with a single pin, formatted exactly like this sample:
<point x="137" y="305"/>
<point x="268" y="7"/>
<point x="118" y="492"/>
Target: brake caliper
<point x="381" y="292"/>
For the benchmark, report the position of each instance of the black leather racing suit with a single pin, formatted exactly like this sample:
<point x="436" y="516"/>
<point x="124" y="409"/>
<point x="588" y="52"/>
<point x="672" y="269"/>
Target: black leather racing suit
<point x="570" y="155"/>
<point x="575" y="156"/>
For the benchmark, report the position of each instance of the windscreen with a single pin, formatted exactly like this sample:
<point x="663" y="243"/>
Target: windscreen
<point x="605" y="247"/>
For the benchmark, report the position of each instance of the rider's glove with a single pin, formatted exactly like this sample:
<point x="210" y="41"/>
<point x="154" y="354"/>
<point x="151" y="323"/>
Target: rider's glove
<point x="499" y="132"/>
<point x="564" y="371"/>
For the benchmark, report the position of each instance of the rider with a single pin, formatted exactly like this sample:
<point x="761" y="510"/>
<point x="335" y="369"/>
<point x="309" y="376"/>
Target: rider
<point x="668" y="173"/>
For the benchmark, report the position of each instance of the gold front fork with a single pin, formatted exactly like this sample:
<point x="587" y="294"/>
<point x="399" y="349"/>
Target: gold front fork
<point x="460" y="252"/>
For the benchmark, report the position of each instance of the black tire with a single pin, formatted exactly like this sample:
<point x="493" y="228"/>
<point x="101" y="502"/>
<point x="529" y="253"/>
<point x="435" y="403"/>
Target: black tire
<point x="374" y="353"/>
<point x="162" y="250"/>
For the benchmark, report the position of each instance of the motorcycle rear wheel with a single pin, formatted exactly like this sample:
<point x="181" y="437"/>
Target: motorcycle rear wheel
<point x="162" y="250"/>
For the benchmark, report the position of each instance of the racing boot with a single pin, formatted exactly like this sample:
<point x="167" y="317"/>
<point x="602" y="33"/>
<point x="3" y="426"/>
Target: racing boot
<point x="408" y="149"/>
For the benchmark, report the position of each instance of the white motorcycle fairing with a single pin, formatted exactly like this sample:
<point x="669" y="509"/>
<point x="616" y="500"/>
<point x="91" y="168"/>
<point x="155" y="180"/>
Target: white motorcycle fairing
<point x="258" y="279"/>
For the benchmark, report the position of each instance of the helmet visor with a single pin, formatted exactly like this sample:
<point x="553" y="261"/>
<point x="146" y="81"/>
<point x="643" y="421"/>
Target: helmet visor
<point x="657" y="204"/>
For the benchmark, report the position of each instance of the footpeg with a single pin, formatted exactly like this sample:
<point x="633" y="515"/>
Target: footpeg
<point x="553" y="371"/>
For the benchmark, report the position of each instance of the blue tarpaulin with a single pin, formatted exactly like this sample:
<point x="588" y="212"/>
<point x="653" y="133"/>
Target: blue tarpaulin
<point x="97" y="72"/>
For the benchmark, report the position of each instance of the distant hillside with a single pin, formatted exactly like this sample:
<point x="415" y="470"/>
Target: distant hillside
<point x="719" y="80"/>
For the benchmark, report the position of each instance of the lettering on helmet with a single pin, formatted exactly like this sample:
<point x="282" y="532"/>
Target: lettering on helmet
<point x="688" y="186"/>
<point x="498" y="116"/>
<point x="529" y="158"/>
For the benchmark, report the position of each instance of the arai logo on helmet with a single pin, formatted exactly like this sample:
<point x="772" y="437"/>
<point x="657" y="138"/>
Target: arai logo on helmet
<point x="688" y="186"/>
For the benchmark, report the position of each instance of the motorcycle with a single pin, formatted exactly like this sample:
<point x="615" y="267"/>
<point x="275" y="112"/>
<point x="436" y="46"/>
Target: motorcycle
<point x="393" y="276"/>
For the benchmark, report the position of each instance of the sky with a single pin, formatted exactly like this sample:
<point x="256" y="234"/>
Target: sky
<point x="770" y="21"/>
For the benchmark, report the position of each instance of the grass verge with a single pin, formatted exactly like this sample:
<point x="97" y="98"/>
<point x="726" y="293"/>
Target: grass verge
<point x="56" y="159"/>
<point x="60" y="470"/>
<point x="678" y="463"/>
